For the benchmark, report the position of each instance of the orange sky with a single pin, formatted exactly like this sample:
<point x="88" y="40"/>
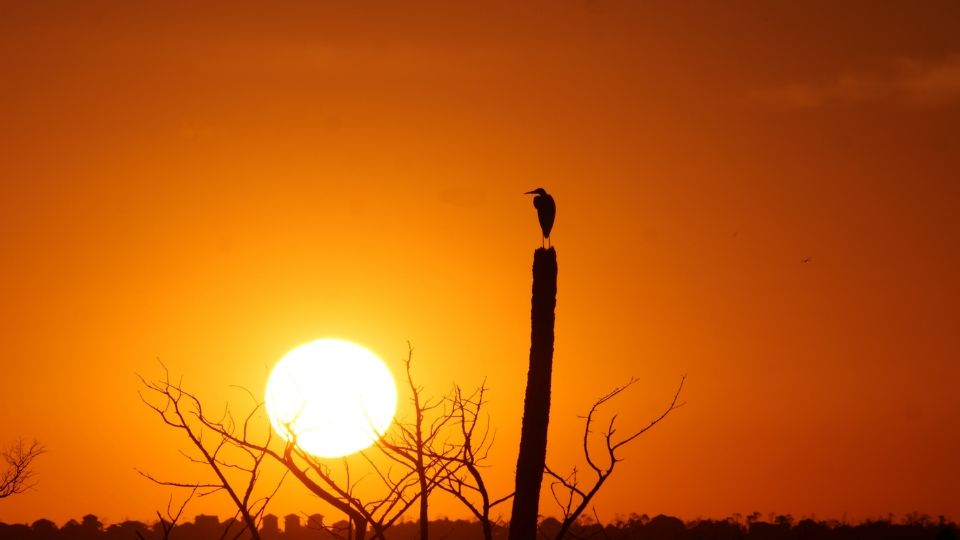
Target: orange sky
<point x="214" y="185"/>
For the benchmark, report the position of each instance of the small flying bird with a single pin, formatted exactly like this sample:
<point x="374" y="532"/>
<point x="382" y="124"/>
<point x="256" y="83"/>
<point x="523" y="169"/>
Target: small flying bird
<point x="806" y="259"/>
<point x="546" y="211"/>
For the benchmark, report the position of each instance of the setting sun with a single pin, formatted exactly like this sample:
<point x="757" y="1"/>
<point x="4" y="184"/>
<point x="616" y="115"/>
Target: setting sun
<point x="334" y="397"/>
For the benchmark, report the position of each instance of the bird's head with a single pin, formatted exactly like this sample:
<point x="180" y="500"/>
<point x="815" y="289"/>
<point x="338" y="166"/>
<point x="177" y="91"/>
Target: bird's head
<point x="538" y="191"/>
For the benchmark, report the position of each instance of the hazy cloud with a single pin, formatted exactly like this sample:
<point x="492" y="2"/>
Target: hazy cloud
<point x="911" y="82"/>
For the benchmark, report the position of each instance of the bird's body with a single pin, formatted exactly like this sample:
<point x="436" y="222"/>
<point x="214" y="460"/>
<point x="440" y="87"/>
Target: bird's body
<point x="546" y="210"/>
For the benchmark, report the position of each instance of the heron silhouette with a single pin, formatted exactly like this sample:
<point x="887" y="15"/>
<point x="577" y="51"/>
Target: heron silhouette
<point x="546" y="212"/>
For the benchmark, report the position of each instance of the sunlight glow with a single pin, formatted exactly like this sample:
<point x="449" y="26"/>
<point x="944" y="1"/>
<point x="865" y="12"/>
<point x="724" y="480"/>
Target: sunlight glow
<point x="335" y="397"/>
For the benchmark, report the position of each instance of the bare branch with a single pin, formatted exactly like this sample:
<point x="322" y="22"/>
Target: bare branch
<point x="578" y="498"/>
<point x="464" y="458"/>
<point x="182" y="410"/>
<point x="18" y="473"/>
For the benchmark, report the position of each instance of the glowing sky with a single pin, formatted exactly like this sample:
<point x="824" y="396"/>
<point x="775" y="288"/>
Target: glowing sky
<point x="215" y="184"/>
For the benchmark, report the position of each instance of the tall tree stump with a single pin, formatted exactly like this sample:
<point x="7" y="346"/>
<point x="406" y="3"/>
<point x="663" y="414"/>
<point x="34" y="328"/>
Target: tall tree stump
<point x="536" y="403"/>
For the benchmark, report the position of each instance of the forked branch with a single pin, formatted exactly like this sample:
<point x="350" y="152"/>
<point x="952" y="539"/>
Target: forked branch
<point x="17" y="475"/>
<point x="467" y="454"/>
<point x="571" y="497"/>
<point x="183" y="411"/>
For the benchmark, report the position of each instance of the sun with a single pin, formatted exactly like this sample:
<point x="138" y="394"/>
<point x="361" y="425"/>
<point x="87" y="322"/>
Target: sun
<point x="332" y="397"/>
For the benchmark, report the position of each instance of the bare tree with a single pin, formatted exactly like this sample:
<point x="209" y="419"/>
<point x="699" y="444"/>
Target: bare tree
<point x="464" y="479"/>
<point x="215" y="438"/>
<point x="418" y="445"/>
<point x="18" y="474"/>
<point x="182" y="410"/>
<point x="568" y="493"/>
<point x="378" y="513"/>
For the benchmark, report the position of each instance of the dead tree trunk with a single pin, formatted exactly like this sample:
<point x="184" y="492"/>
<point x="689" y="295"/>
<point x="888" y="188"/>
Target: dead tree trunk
<point x="536" y="403"/>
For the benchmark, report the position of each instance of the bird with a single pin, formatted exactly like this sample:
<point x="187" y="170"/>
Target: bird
<point x="546" y="211"/>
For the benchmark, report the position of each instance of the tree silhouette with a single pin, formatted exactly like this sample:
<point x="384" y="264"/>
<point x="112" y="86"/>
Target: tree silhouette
<point x="573" y="498"/>
<point x="465" y="482"/>
<point x="18" y="474"/>
<point x="632" y="527"/>
<point x="417" y="450"/>
<point x="418" y="445"/>
<point x="183" y="411"/>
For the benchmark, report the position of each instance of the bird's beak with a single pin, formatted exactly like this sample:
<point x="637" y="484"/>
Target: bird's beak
<point x="530" y="192"/>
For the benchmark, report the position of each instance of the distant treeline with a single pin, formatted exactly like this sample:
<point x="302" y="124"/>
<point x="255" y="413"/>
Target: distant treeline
<point x="634" y="527"/>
